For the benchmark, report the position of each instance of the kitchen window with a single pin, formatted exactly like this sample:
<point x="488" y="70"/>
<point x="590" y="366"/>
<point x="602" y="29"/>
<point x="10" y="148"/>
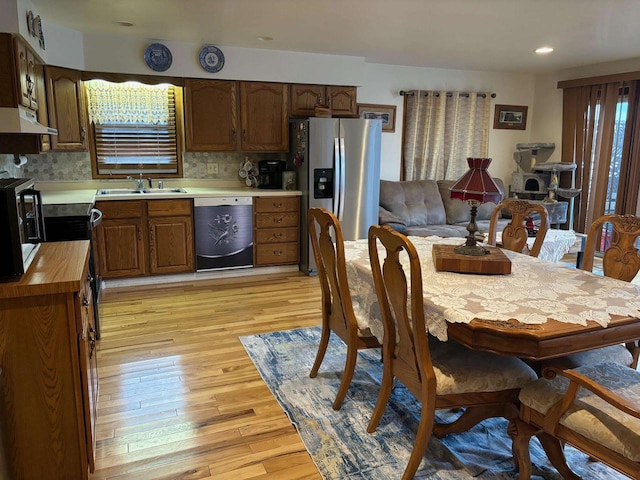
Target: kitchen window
<point x="134" y="128"/>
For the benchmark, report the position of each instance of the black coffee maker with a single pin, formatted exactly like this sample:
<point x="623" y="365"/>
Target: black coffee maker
<point x="270" y="173"/>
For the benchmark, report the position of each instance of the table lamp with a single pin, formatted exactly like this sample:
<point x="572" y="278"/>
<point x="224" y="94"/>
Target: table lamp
<point x="475" y="187"/>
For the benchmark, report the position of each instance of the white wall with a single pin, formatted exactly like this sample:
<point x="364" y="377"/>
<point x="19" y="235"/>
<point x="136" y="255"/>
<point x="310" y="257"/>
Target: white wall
<point x="547" y="122"/>
<point x="383" y="83"/>
<point x="377" y="83"/>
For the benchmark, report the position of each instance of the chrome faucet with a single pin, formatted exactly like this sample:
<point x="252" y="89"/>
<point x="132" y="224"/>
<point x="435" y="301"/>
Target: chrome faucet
<point x="139" y="182"/>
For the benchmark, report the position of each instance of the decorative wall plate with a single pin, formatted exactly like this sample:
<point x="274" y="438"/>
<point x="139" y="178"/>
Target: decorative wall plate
<point x="211" y="59"/>
<point x="30" y="28"/>
<point x="37" y="25"/>
<point x="158" y="57"/>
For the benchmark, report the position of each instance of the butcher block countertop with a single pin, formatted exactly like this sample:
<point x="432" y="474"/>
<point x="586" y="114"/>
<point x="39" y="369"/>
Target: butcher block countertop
<point x="58" y="267"/>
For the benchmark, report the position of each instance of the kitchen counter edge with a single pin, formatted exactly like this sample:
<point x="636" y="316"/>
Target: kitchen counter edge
<point x="90" y="196"/>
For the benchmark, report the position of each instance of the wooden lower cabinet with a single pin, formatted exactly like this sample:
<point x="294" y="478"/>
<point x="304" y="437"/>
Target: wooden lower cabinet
<point x="49" y="382"/>
<point x="145" y="237"/>
<point x="122" y="238"/>
<point x="170" y="236"/>
<point x="276" y="230"/>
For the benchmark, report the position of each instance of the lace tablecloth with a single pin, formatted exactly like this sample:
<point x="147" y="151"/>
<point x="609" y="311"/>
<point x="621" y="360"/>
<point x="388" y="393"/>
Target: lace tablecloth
<point x="556" y="243"/>
<point x="535" y="291"/>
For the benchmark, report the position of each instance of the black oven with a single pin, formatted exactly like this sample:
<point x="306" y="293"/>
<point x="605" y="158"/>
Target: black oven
<point x="77" y="221"/>
<point x="21" y="226"/>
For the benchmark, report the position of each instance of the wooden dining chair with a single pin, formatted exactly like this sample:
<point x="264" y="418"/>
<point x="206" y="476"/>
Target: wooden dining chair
<point x="594" y="408"/>
<point x="515" y="234"/>
<point x="439" y="374"/>
<point x="620" y="260"/>
<point x="337" y="310"/>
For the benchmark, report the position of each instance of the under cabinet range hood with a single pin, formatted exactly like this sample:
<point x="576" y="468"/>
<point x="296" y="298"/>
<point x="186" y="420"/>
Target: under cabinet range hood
<point x="22" y="121"/>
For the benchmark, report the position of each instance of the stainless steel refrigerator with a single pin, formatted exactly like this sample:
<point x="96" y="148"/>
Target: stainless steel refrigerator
<point x="337" y="161"/>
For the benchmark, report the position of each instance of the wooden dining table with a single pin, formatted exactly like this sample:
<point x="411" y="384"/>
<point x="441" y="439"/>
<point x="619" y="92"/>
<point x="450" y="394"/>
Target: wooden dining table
<point x="541" y="310"/>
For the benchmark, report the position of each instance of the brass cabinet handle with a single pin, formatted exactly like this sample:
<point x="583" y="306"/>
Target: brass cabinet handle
<point x="92" y="341"/>
<point x="277" y="235"/>
<point x="29" y="86"/>
<point x="83" y="133"/>
<point x="277" y="253"/>
<point x="278" y="219"/>
<point x="277" y="205"/>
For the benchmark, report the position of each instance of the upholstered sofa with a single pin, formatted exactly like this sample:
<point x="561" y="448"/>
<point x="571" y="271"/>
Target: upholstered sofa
<point x="425" y="207"/>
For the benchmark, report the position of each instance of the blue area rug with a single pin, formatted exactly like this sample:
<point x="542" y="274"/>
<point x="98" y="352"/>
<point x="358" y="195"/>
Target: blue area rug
<point x="338" y="441"/>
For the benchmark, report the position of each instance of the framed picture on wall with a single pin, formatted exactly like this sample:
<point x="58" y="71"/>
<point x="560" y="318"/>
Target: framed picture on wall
<point x="386" y="113"/>
<point x="510" y="117"/>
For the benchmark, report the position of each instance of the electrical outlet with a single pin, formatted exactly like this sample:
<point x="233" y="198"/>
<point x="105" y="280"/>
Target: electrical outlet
<point x="212" y="168"/>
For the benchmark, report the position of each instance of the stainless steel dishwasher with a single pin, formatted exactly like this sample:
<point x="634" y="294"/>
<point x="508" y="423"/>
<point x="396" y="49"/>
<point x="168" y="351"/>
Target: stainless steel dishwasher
<point x="224" y="232"/>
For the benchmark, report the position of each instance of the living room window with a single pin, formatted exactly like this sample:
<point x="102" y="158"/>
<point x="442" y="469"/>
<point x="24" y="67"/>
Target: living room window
<point x="134" y="129"/>
<point x="442" y="129"/>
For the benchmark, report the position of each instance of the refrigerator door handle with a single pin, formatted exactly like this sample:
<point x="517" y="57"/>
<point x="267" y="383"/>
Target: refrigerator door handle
<point x="337" y="172"/>
<point x="342" y="178"/>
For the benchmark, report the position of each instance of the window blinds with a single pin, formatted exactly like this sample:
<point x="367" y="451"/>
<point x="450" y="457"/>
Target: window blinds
<point x="134" y="128"/>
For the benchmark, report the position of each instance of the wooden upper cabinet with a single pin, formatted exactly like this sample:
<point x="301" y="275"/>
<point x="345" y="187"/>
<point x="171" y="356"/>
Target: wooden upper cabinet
<point x="264" y="109"/>
<point x="26" y="64"/>
<point x="43" y="118"/>
<point x="17" y="73"/>
<point x="304" y="99"/>
<point x="342" y="101"/>
<point x="211" y="115"/>
<point x="67" y="111"/>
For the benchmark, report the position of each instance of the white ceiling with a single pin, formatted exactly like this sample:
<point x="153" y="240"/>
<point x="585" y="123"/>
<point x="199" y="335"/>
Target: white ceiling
<point x="494" y="35"/>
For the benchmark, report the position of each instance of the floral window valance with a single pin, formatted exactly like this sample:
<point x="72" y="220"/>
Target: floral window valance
<point x="129" y="102"/>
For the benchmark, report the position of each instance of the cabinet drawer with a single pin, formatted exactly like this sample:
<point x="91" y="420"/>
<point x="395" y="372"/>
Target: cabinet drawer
<point x="277" y="253"/>
<point x="286" y="219"/>
<point x="121" y="209"/>
<point x="277" y="204"/>
<point x="276" y="235"/>
<point x="168" y="208"/>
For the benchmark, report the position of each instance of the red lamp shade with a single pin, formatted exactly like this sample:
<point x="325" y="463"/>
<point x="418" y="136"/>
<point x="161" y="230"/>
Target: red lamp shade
<point x="476" y="183"/>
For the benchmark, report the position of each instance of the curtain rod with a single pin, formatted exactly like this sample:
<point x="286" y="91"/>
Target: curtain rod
<point x="449" y="94"/>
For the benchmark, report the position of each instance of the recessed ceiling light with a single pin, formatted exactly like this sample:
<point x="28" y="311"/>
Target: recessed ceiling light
<point x="124" y="24"/>
<point x="543" y="50"/>
<point x="265" y="39"/>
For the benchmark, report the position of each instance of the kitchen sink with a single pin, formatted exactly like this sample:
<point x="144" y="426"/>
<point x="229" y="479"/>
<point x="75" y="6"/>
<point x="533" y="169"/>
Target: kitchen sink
<point x="134" y="191"/>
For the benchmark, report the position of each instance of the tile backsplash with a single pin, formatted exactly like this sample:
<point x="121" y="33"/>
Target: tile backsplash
<point x="57" y="166"/>
<point x="8" y="167"/>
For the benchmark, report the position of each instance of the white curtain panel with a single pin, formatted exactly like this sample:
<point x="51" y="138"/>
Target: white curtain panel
<point x="442" y="129"/>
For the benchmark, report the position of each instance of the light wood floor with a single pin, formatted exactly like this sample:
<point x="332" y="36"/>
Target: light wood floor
<point x="180" y="398"/>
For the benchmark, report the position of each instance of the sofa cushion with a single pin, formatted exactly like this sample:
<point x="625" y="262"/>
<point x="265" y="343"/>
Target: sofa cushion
<point x="458" y="211"/>
<point x="443" y="230"/>
<point x="415" y="202"/>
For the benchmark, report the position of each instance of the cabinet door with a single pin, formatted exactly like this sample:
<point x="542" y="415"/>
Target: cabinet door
<point x="66" y="109"/>
<point x="121" y="244"/>
<point x="342" y="101"/>
<point x="171" y="245"/>
<point x="26" y="63"/>
<point x="264" y="112"/>
<point x="304" y="99"/>
<point x="210" y="115"/>
<point x="88" y="368"/>
<point x="45" y="140"/>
